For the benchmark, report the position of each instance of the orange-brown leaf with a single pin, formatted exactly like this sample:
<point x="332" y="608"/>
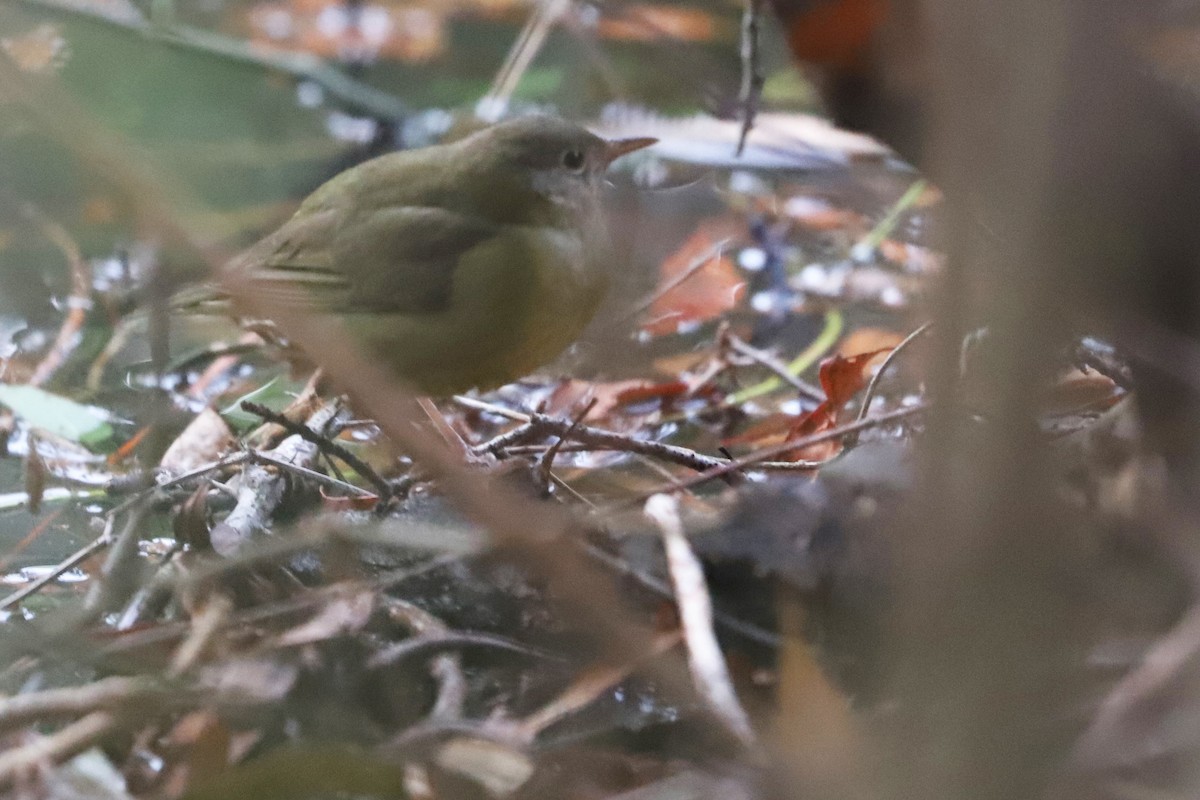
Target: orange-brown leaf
<point x="358" y="502"/>
<point x="711" y="290"/>
<point x="842" y="377"/>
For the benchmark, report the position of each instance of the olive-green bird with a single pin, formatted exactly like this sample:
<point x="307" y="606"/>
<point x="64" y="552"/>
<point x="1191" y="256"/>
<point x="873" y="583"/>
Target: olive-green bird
<point x="461" y="265"/>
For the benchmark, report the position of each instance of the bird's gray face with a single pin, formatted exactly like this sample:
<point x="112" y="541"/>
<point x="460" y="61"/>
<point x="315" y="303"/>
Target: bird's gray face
<point x="565" y="162"/>
<point x="574" y="178"/>
<point x="573" y="172"/>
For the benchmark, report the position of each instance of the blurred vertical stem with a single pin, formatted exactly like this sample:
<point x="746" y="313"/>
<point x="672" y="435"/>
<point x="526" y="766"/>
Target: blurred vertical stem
<point x="752" y="78"/>
<point x="493" y="105"/>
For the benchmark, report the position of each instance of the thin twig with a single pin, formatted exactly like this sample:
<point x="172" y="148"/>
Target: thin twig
<point x="697" y="264"/>
<point x="476" y="404"/>
<point x="775" y="365"/>
<point x="495" y="103"/>
<point x="584" y="690"/>
<point x="449" y="435"/>
<point x="260" y="490"/>
<point x="170" y="632"/>
<point x="752" y="77"/>
<point x="445" y="667"/>
<point x="79" y="302"/>
<point x="430" y="643"/>
<point x="571" y="490"/>
<point x="118" y="576"/>
<point x="70" y="562"/>
<point x="710" y="675"/>
<point x="382" y="488"/>
<point x="300" y="66"/>
<point x="104" y="694"/>
<point x="42" y="525"/>
<point x="202" y="630"/>
<point x="869" y="394"/>
<point x="55" y="748"/>
<point x="887" y="225"/>
<point x="311" y="474"/>
<point x="547" y="459"/>
<point x="540" y="426"/>
<point x="652" y="583"/>
<point x="760" y="458"/>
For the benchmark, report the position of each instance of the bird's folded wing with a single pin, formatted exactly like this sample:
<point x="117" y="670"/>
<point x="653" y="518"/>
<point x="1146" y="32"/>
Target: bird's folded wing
<point x="395" y="259"/>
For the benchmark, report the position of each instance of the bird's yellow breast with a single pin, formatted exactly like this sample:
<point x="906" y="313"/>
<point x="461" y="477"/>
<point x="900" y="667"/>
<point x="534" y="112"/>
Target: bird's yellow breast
<point x="519" y="299"/>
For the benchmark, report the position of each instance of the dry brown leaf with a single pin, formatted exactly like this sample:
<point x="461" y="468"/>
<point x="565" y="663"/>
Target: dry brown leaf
<point x="709" y="292"/>
<point x="203" y="441"/>
<point x="862" y="340"/>
<point x="651" y="22"/>
<point x="1078" y="390"/>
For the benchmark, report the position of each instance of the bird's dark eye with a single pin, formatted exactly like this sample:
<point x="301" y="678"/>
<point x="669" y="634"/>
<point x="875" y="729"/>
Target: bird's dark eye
<point x="573" y="160"/>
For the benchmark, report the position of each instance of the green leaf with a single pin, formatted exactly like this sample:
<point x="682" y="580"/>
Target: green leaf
<point x="57" y="415"/>
<point x="275" y="394"/>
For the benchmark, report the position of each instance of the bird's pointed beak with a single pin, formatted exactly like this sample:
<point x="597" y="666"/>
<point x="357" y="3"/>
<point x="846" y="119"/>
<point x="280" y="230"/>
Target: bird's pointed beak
<point x="615" y="148"/>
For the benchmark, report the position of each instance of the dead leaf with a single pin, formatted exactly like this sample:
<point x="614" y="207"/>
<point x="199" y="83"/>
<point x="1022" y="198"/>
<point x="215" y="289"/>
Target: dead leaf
<point x="647" y="22"/>
<point x="818" y="214"/>
<point x="128" y="447"/>
<point x="911" y="257"/>
<point x="1079" y="391"/>
<point x="358" y="502"/>
<point x="200" y="742"/>
<point x="642" y="391"/>
<point x="841" y="377"/>
<point x="497" y="767"/>
<point x="828" y="753"/>
<point x="862" y="340"/>
<point x="203" y="441"/>
<point x="708" y="292"/>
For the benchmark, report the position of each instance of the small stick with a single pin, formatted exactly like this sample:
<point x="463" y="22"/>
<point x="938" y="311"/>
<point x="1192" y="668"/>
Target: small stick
<point x="516" y="63"/>
<point x="584" y="690"/>
<point x="450" y="436"/>
<point x="710" y="674"/>
<point x="382" y="488"/>
<point x="310" y="474"/>
<point x="79" y="302"/>
<point x="775" y="365"/>
<point x="699" y="263"/>
<point x="55" y="748"/>
<point x="70" y="562"/>
<point x="446" y="667"/>
<point x="547" y="460"/>
<point x="760" y="458"/>
<point x="542" y="425"/>
<point x="490" y="408"/>
<point x="752" y="77"/>
<point x="869" y="395"/>
<point x="659" y="587"/>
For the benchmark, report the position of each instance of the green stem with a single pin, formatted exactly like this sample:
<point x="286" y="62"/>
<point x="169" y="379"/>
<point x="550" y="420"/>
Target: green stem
<point x="886" y="225"/>
<point x="826" y="339"/>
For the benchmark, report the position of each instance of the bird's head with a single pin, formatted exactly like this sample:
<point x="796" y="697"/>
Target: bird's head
<point x="564" y="161"/>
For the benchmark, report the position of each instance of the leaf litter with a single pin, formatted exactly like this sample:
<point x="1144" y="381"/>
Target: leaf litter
<point x="329" y="615"/>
